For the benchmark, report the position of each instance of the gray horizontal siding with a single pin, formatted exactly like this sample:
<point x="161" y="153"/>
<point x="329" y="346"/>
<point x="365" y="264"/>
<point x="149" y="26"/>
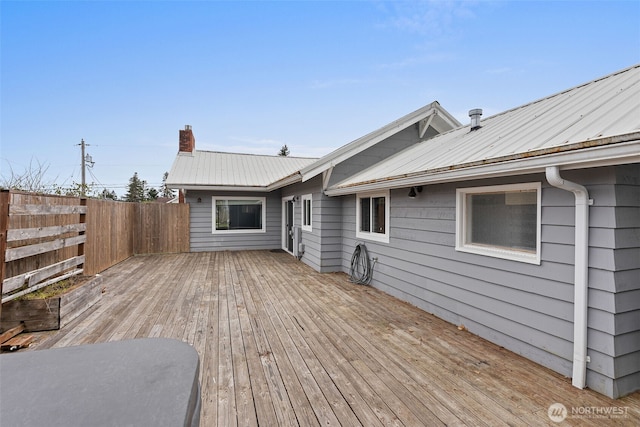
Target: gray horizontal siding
<point x="201" y="217"/>
<point x="630" y="382"/>
<point x="375" y="154"/>
<point x="626" y="257"/>
<point x="526" y="308"/>
<point x="330" y="226"/>
<point x="323" y="250"/>
<point x="311" y="239"/>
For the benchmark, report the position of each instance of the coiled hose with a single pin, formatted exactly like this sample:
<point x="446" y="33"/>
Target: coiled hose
<point x="361" y="271"/>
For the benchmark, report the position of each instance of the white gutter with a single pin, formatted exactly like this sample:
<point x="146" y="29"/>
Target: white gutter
<point x="291" y="179"/>
<point x="581" y="271"/>
<point x="607" y="155"/>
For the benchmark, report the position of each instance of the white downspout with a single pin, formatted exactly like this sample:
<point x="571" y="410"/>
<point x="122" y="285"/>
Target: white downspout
<point x="581" y="268"/>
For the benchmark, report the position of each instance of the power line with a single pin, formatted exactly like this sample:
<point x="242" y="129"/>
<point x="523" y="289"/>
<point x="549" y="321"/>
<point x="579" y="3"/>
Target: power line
<point x="94" y="177"/>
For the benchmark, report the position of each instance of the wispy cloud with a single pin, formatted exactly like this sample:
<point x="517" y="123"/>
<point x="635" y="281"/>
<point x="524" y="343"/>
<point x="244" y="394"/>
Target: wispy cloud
<point x="431" y="17"/>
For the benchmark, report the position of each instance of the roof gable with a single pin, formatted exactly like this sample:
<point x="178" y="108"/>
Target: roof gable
<point x="431" y="115"/>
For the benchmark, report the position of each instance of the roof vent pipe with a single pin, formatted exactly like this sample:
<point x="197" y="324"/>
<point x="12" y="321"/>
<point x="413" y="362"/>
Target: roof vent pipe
<point x="475" y="115"/>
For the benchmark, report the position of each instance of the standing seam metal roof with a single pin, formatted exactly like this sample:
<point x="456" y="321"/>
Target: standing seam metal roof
<point x="603" y="108"/>
<point x="211" y="168"/>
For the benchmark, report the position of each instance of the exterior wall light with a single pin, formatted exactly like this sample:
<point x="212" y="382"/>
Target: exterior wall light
<point x="412" y="192"/>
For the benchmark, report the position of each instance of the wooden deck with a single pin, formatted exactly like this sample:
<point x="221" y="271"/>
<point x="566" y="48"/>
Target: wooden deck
<point x="283" y="345"/>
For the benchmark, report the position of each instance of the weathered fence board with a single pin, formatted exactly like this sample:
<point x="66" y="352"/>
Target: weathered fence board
<point x="54" y="236"/>
<point x="33" y="277"/>
<point x="162" y="228"/>
<point x="40" y="232"/>
<point x="24" y="214"/>
<point x="43" y="233"/>
<point x="118" y="230"/>
<point x="47" y="209"/>
<point x="4" y="225"/>
<point x="40" y="248"/>
<point x="110" y="233"/>
<point x="42" y="285"/>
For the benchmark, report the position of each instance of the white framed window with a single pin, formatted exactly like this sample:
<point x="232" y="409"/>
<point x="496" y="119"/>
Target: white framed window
<point x="307" y="212"/>
<point x="239" y="215"/>
<point x="501" y="221"/>
<point x="372" y="216"/>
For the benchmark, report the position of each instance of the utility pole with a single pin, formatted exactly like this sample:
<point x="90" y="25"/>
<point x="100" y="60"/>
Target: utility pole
<point x="82" y="188"/>
<point x="85" y="159"/>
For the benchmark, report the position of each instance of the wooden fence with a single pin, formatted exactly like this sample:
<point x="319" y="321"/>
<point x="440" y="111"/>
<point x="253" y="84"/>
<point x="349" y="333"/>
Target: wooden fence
<point x="118" y="230"/>
<point x="45" y="238"/>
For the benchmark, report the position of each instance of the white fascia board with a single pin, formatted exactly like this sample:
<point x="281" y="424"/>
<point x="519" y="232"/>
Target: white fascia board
<point x="217" y="188"/>
<point x="443" y="121"/>
<point x="341" y="157"/>
<point x="292" y="179"/>
<point x="607" y="155"/>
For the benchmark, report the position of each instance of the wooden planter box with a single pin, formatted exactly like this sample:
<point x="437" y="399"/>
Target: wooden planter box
<point x="51" y="313"/>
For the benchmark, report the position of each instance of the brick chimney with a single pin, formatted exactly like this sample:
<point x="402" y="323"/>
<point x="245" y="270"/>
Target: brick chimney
<point x="187" y="140"/>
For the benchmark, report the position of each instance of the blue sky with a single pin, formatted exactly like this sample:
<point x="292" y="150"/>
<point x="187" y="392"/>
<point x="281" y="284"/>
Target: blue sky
<point x="252" y="76"/>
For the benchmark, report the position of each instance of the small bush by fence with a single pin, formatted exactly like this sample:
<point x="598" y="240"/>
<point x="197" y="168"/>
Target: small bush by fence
<point x="47" y="237"/>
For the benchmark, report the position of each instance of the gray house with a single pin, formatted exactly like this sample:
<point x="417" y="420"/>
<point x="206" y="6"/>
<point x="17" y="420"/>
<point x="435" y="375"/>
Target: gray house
<point x="524" y="227"/>
<point x="288" y="214"/>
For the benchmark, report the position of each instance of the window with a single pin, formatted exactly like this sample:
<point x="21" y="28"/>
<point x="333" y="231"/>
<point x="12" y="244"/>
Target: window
<point x="307" y="214"/>
<point x="501" y="221"/>
<point x="239" y="215"/>
<point x="372" y="216"/>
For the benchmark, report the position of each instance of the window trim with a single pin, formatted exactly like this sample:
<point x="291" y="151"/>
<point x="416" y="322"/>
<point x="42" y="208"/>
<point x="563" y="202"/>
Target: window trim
<point x="303" y="199"/>
<point x="497" y="251"/>
<point x="370" y="235"/>
<point x="262" y="200"/>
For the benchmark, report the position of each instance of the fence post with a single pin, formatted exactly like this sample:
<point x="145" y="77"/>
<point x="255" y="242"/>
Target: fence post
<point x="5" y="196"/>
<point x="83" y="220"/>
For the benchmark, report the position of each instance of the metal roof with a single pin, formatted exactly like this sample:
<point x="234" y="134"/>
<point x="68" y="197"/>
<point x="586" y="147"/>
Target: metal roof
<point x="592" y="122"/>
<point x="431" y="115"/>
<point x="212" y="170"/>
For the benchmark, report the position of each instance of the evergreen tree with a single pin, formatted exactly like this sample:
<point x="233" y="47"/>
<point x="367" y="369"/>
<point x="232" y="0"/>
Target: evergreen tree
<point x="166" y="191"/>
<point x="284" y="151"/>
<point x="151" y="194"/>
<point x="106" y="194"/>
<point x="136" y="191"/>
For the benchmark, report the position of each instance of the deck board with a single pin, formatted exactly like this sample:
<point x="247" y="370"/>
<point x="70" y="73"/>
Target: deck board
<point x="281" y="344"/>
